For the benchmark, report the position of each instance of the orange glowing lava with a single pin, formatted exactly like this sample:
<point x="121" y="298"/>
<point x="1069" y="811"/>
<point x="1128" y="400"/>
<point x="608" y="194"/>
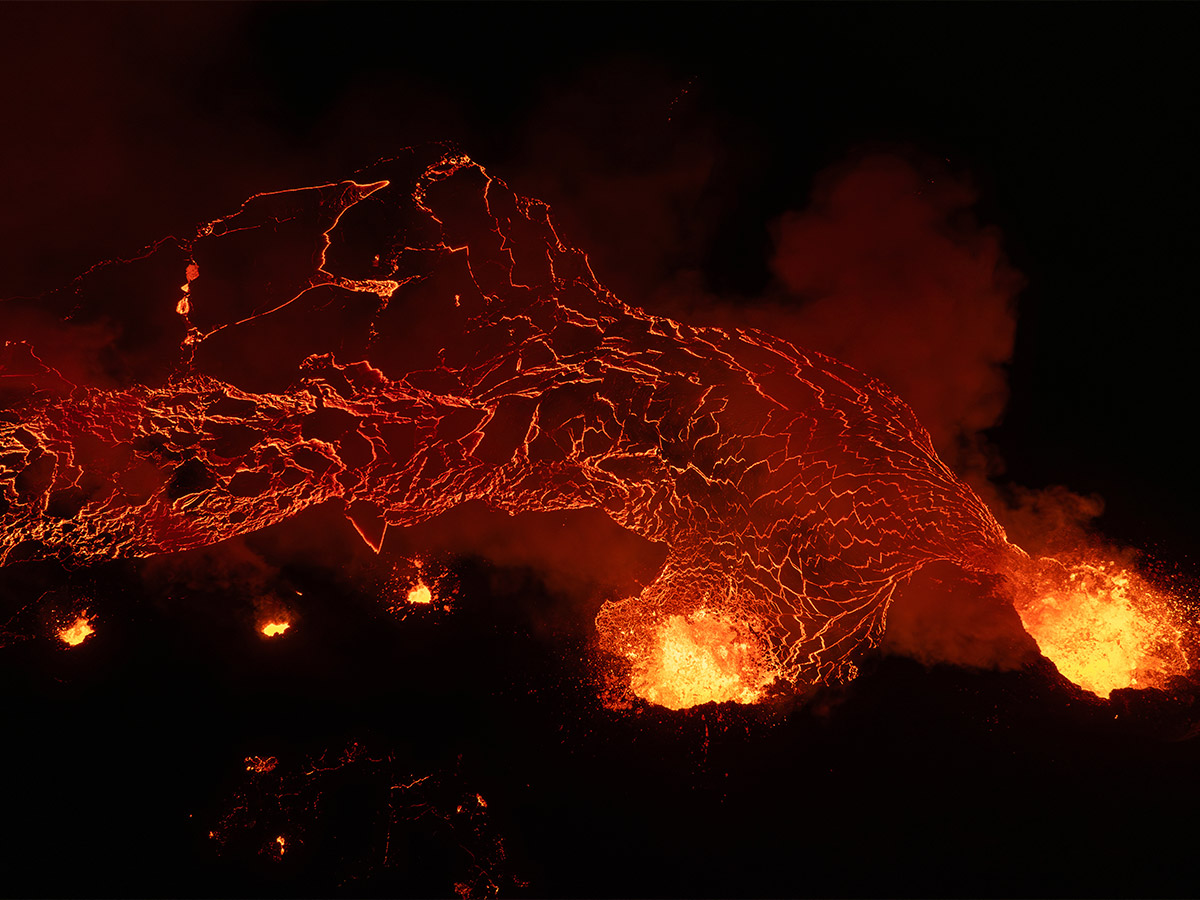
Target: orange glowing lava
<point x="1104" y="627"/>
<point x="420" y="593"/>
<point x="706" y="657"/>
<point x="78" y="631"/>
<point x="791" y="494"/>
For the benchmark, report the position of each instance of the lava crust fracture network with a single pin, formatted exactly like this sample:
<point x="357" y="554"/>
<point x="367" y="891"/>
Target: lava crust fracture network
<point x="421" y="337"/>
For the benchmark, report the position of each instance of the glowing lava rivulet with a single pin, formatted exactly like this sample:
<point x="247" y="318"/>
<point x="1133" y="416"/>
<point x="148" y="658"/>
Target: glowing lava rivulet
<point x="422" y="337"/>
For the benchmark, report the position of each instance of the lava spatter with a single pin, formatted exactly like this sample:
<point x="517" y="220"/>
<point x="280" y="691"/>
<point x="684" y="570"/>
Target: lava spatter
<point x="77" y="631"/>
<point x="1103" y="625"/>
<point x="417" y="586"/>
<point x="422" y="337"/>
<point x="420" y="594"/>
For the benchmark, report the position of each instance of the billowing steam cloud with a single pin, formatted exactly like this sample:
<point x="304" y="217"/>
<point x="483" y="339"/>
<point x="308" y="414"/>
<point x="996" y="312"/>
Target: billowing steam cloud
<point x="894" y="276"/>
<point x="888" y="269"/>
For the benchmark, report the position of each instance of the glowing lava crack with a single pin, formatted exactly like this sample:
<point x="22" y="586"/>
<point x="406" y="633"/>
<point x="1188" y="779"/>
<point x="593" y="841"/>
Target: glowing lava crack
<point x="424" y="338"/>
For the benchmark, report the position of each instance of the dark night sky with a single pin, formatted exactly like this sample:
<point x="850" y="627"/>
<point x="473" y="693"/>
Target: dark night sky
<point x="1075" y="123"/>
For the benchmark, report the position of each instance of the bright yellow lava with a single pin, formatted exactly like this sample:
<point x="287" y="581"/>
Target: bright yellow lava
<point x="420" y="593"/>
<point x="1104" y="628"/>
<point x="78" y="631"/>
<point x="271" y="629"/>
<point x="701" y="658"/>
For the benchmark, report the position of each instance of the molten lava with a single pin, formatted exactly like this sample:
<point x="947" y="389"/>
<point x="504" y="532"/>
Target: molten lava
<point x="397" y="346"/>
<point x="78" y="631"/>
<point x="274" y="629"/>
<point x="1104" y="627"/>
<point x="420" y="593"/>
<point x="704" y="658"/>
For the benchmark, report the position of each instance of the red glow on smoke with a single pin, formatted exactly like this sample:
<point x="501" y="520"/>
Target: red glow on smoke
<point x="898" y="280"/>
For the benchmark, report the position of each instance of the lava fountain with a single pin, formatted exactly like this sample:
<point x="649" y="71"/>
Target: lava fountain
<point x="1103" y="625"/>
<point x="421" y="337"/>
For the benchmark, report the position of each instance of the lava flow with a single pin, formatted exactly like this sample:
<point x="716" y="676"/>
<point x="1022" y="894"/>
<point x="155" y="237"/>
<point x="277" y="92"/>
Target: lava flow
<point x="422" y="337"/>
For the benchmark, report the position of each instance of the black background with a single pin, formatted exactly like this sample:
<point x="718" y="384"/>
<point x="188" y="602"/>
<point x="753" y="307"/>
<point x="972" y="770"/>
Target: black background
<point x="123" y="123"/>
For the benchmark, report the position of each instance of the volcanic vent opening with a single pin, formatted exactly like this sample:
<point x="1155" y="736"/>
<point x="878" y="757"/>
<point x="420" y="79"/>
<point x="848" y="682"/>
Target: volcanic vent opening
<point x="710" y="655"/>
<point x="1105" y="626"/>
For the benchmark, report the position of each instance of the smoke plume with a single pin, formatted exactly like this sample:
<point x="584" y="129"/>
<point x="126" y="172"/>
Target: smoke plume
<point x="893" y="275"/>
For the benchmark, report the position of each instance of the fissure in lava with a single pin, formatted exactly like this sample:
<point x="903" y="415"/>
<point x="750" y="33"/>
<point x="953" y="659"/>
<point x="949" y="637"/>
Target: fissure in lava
<point x="422" y="336"/>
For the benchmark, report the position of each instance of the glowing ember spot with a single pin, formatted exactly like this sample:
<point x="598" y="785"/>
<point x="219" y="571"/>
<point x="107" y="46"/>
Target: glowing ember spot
<point x="282" y="844"/>
<point x="78" y="631"/>
<point x="703" y="658"/>
<point x="1104" y="628"/>
<point x="420" y="593"/>
<point x="273" y="629"/>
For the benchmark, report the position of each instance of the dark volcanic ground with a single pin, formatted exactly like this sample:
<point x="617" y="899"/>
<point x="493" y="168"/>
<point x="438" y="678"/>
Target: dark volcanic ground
<point x="126" y="752"/>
